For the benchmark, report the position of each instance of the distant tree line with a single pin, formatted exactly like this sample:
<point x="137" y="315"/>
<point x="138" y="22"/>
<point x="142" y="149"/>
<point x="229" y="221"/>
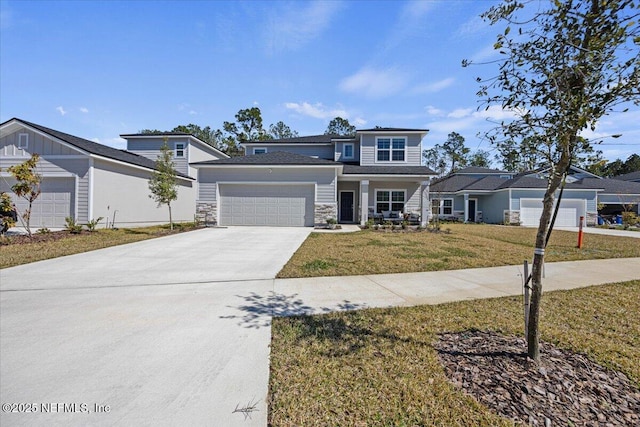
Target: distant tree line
<point x="518" y="156"/>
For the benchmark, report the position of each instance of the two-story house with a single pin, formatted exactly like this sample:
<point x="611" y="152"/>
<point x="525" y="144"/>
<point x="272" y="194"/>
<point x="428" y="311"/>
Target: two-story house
<point x="85" y="180"/>
<point x="303" y="181"/>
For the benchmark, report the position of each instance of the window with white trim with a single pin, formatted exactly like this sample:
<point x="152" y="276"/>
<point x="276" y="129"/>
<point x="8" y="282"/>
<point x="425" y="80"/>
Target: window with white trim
<point x="390" y="200"/>
<point x="23" y="141"/>
<point x="391" y="149"/>
<point x="262" y="150"/>
<point x="179" y="149"/>
<point x="442" y="206"/>
<point x="347" y="151"/>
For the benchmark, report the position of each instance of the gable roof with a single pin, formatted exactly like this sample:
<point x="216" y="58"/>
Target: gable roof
<point x="313" y="139"/>
<point x="381" y="129"/>
<point x="476" y="170"/>
<point x="612" y="186"/>
<point x="631" y="176"/>
<point x="274" y="158"/>
<point x="171" y="133"/>
<point x="94" y="148"/>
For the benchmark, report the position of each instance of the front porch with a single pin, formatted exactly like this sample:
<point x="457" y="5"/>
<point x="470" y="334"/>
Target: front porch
<point x="393" y="199"/>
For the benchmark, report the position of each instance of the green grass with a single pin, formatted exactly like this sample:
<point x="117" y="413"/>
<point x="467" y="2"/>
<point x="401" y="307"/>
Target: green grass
<point x="465" y="246"/>
<point x="53" y="245"/>
<point x="378" y="366"/>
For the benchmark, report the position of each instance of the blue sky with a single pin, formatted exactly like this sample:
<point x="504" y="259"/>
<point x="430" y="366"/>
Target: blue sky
<point x="98" y="69"/>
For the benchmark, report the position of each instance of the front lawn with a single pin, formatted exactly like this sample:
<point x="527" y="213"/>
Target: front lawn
<point x="465" y="246"/>
<point x="380" y="367"/>
<point x="17" y="250"/>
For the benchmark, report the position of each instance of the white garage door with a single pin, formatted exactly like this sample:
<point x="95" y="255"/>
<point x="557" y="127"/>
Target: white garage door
<point x="277" y="205"/>
<point x="568" y="215"/>
<point x="54" y="204"/>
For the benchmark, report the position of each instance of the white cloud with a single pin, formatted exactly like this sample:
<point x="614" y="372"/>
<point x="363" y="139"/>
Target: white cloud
<point x="484" y="54"/>
<point x="292" y="26"/>
<point x="316" y="110"/>
<point x="375" y="83"/>
<point x="435" y="86"/>
<point x="193" y="113"/>
<point x="61" y="110"/>
<point x="471" y="27"/>
<point x="433" y="111"/>
<point x="460" y="113"/>
<point x="84" y="110"/>
<point x="359" y="121"/>
<point x="497" y="113"/>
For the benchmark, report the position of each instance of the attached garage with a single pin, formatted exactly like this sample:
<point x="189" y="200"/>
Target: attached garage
<point x="285" y="205"/>
<point x="54" y="204"/>
<point x="568" y="215"/>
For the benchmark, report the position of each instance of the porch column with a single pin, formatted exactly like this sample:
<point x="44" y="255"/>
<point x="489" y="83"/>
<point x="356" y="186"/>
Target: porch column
<point x="466" y="208"/>
<point x="425" y="204"/>
<point x="364" y="201"/>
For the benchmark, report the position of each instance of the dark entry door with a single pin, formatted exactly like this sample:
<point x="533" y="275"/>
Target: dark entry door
<point x="346" y="206"/>
<point x="472" y="211"/>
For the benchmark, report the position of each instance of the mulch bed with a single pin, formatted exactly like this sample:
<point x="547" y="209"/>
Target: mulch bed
<point x="52" y="236"/>
<point x="564" y="389"/>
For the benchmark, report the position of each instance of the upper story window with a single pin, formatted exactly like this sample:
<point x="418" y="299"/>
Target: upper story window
<point x="23" y="141"/>
<point x="179" y="149"/>
<point x="347" y="151"/>
<point x="391" y="149"/>
<point x="262" y="150"/>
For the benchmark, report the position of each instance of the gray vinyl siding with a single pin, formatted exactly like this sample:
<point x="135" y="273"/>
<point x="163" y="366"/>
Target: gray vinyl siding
<point x="125" y="189"/>
<point x="320" y="151"/>
<point x="150" y="148"/>
<point x="413" y="151"/>
<point x="37" y="143"/>
<point x="324" y="177"/>
<point x="412" y="193"/>
<point x="617" y="199"/>
<point x="338" y="152"/>
<point x="493" y="207"/>
<point x="589" y="196"/>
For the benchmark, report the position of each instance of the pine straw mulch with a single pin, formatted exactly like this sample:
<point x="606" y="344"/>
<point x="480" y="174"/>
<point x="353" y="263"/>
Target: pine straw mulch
<point x="564" y="389"/>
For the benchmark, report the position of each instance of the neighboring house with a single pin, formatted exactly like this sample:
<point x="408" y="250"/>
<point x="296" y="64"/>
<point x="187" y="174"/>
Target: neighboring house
<point x="86" y="180"/>
<point x="631" y="176"/>
<point x="303" y="181"/>
<point x="495" y="196"/>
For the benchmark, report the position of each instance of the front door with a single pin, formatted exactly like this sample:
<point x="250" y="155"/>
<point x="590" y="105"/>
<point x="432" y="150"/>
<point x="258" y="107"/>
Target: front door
<point x="472" y="211"/>
<point x="346" y="206"/>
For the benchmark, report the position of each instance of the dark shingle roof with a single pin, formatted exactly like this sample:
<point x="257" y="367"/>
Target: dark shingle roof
<point x="614" y="186"/>
<point x="95" y="148"/>
<point x="313" y="139"/>
<point x="350" y="169"/>
<point x="167" y="133"/>
<point x="631" y="176"/>
<point x="478" y="170"/>
<point x="272" y="158"/>
<point x="380" y="129"/>
<point x="452" y="183"/>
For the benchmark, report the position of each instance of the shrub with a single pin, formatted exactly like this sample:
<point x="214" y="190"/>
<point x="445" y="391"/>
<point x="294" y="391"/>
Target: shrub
<point x="91" y="225"/>
<point x="72" y="226"/>
<point x="629" y="218"/>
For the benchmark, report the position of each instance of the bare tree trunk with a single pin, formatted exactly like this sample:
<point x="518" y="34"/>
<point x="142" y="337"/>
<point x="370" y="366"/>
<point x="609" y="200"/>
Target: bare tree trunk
<point x="170" y="220"/>
<point x="533" y="332"/>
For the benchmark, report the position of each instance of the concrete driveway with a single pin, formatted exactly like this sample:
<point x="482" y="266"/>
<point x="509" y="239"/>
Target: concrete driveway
<point x="157" y="331"/>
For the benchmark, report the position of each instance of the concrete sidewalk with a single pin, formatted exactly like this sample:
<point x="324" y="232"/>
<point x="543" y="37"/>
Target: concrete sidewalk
<point x="322" y="294"/>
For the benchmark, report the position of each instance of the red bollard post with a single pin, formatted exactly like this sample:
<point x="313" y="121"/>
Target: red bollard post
<point x="580" y="233"/>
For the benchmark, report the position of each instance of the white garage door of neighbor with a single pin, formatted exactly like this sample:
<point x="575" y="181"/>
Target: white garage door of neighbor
<point x="276" y="205"/>
<point x="54" y="204"/>
<point x="568" y="215"/>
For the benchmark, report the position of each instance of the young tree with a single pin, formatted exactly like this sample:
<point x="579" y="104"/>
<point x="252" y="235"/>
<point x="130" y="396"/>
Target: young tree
<point x="7" y="213"/>
<point x="162" y="183"/>
<point x="27" y="186"/>
<point x="435" y="158"/>
<point x="340" y="126"/>
<point x="564" y="68"/>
